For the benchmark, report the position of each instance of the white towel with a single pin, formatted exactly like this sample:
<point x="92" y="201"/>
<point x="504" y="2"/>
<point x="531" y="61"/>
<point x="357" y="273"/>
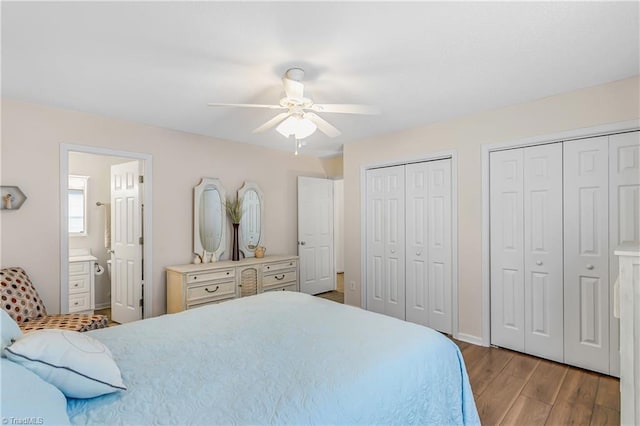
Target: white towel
<point x="107" y="226"/>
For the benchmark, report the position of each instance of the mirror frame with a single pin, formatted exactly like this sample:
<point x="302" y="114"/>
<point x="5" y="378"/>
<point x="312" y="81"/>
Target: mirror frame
<point x="251" y="186"/>
<point x="208" y="183"/>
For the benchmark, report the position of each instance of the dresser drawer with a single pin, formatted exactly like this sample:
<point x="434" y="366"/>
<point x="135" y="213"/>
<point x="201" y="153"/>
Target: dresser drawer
<point x="271" y="267"/>
<point x="290" y="287"/>
<point x="279" y="278"/>
<point x="198" y="277"/>
<point x="205" y="302"/>
<point x="78" y="268"/>
<point x="79" y="302"/>
<point x="211" y="290"/>
<point x="79" y="284"/>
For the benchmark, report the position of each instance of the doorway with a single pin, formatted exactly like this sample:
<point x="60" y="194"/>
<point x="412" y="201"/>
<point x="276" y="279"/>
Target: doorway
<point x="86" y="228"/>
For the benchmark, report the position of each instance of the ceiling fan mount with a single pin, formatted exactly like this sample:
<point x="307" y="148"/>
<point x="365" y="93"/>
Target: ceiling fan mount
<point x="300" y="119"/>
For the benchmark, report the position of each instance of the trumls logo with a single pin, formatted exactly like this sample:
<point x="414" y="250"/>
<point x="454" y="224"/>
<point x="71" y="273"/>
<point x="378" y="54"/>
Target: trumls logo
<point x="23" y="420"/>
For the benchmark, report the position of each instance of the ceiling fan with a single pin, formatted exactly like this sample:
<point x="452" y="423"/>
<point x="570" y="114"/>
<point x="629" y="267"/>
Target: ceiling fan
<point x="300" y="119"/>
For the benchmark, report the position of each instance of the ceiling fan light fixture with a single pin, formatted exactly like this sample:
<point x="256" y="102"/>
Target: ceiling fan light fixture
<point x="300" y="127"/>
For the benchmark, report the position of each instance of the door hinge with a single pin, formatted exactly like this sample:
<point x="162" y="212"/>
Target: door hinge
<point x="140" y="302"/>
<point x="140" y="179"/>
<point x="141" y="240"/>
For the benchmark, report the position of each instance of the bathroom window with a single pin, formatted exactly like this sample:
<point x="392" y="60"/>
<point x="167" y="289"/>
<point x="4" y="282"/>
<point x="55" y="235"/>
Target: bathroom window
<point x="78" y="205"/>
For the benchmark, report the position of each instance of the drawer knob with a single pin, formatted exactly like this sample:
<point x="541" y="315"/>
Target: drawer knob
<point x="75" y="303"/>
<point x="279" y="277"/>
<point x="212" y="291"/>
<point x="227" y="273"/>
<point x="590" y="267"/>
<point x="75" y="285"/>
<point x="195" y="278"/>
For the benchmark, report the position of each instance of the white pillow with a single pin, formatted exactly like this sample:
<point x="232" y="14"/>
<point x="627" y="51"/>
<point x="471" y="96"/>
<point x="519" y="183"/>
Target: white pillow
<point x="10" y="330"/>
<point x="26" y="396"/>
<point x="76" y="363"/>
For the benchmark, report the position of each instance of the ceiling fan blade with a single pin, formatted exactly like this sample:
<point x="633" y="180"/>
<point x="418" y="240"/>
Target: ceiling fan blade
<point x="346" y="108"/>
<point x="293" y="89"/>
<point x="323" y="125"/>
<point x="272" y="123"/>
<point x="247" y="106"/>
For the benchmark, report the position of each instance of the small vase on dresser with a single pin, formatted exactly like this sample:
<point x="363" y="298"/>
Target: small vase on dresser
<point x="235" y="248"/>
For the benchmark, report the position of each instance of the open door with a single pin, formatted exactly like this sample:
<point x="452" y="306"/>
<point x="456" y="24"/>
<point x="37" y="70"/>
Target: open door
<point x="315" y="235"/>
<point x="126" y="242"/>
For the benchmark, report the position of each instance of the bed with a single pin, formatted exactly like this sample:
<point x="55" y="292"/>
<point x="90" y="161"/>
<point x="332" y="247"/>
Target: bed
<point x="283" y="358"/>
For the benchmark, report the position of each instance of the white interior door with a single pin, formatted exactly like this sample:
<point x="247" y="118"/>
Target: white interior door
<point x="338" y="223"/>
<point x="386" y="241"/>
<point x="315" y="235"/>
<point x="439" y="245"/>
<point x="417" y="249"/>
<point x="624" y="216"/>
<point x="586" y="253"/>
<point x="126" y="233"/>
<point x="428" y="244"/>
<point x="543" y="266"/>
<point x="507" y="248"/>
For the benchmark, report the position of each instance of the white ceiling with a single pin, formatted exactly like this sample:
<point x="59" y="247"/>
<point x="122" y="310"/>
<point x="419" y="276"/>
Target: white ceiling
<point x="420" y="62"/>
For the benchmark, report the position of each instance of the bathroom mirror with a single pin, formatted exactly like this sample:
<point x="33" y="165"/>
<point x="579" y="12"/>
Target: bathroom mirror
<point x="209" y="217"/>
<point x="252" y="214"/>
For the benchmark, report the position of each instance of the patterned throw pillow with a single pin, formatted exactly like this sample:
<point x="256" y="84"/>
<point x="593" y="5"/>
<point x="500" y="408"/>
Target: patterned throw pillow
<point x="19" y="298"/>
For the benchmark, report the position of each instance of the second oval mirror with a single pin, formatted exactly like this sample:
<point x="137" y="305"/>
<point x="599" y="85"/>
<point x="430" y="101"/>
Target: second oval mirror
<point x="252" y="216"/>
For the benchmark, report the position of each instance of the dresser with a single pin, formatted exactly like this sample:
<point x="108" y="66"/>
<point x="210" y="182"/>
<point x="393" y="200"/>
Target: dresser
<point x="193" y="285"/>
<point x="81" y="284"/>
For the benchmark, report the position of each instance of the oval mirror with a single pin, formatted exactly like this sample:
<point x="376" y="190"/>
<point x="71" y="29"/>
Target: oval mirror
<point x="252" y="214"/>
<point x="209" y="220"/>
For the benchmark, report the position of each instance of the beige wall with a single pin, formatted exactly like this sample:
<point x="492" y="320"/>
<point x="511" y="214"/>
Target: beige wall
<point x="609" y="103"/>
<point x="31" y="138"/>
<point x="333" y="167"/>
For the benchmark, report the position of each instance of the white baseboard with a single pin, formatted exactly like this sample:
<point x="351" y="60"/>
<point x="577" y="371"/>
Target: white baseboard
<point x="474" y="340"/>
<point x="106" y="305"/>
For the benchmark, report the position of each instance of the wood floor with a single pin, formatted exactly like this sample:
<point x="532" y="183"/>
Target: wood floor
<point x="511" y="388"/>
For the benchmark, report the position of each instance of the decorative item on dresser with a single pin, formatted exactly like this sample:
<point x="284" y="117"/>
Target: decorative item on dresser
<point x="234" y="210"/>
<point x="190" y="286"/>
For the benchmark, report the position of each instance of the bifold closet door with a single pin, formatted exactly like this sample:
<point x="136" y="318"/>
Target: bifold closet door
<point x="586" y="253"/>
<point x="506" y="174"/>
<point x="385" y="227"/>
<point x="428" y="244"/>
<point x="624" y="217"/>
<point x="526" y="250"/>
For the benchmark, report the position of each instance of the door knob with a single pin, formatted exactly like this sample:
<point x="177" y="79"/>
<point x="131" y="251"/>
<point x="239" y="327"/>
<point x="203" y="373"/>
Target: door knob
<point x="539" y="262"/>
<point x="589" y="267"/>
<point x="302" y="243"/>
<point x="418" y="253"/>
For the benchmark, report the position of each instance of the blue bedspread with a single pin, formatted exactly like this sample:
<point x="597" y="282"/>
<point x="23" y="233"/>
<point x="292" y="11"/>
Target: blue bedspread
<point x="281" y="357"/>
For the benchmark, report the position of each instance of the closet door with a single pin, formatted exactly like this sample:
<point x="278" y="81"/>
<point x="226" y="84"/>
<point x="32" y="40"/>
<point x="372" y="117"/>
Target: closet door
<point x="543" y="279"/>
<point x="624" y="216"/>
<point x="586" y="253"/>
<point x="507" y="248"/>
<point x="386" y="241"/>
<point x="428" y="249"/>
<point x="417" y="226"/>
<point x="439" y="244"/>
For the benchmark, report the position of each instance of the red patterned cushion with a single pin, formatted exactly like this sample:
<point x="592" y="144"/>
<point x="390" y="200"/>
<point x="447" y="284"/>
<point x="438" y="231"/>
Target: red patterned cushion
<point x="19" y="298"/>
